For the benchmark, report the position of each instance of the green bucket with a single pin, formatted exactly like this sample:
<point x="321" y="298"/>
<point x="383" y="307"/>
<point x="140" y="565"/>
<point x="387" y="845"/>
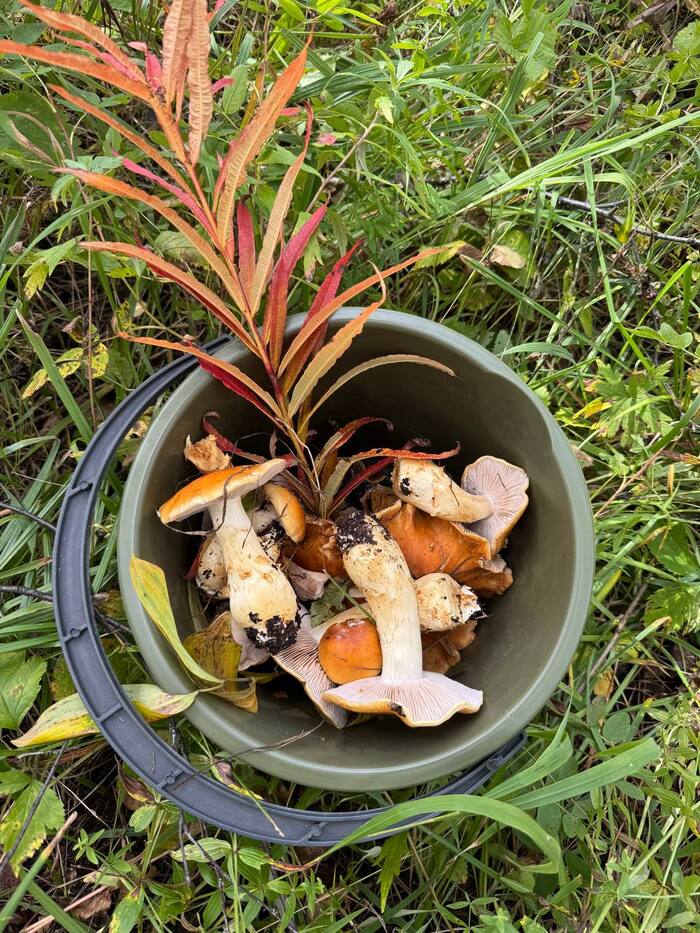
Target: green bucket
<point x="522" y="649"/>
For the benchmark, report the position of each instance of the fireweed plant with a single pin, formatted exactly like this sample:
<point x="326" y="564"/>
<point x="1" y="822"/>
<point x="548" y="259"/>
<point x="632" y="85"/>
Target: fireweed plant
<point x="254" y="277"/>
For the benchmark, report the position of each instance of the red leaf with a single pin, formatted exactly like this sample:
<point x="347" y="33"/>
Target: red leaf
<point x="185" y="197"/>
<point x="344" y="434"/>
<point x="173" y="273"/>
<point x="220" y="84"/>
<point x="228" y="447"/>
<point x="315" y="322"/>
<point x="246" y="248"/>
<point x="326" y="292"/>
<point x="276" y="307"/>
<point x="231" y="376"/>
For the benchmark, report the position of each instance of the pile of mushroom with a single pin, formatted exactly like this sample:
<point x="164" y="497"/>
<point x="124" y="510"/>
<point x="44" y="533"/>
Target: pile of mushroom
<point x="411" y="566"/>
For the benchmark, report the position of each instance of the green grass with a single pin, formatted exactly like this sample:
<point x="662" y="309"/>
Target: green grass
<point x="470" y="143"/>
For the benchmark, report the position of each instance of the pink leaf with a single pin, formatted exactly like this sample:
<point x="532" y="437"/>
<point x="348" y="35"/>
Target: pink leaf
<point x="246" y="247"/>
<point x="220" y="84"/>
<point x="185" y="197"/>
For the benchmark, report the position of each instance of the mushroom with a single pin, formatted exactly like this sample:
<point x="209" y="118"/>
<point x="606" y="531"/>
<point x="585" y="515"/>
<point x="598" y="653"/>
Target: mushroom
<point x="349" y="648"/>
<point x="263" y="602"/>
<point x="308" y="584"/>
<point x="211" y="570"/>
<point x="442" y="603"/>
<point x="430" y="545"/>
<point x="427" y="486"/>
<point x="206" y="455"/>
<point x="504" y="485"/>
<point x="374" y="562"/>
<point x="489" y="577"/>
<point x="319" y="549"/>
<point x="288" y="510"/>
<point x="301" y="660"/>
<point x="441" y="650"/>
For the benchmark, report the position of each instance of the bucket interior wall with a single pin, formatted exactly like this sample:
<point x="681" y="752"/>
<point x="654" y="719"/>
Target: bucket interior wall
<point x="487" y="413"/>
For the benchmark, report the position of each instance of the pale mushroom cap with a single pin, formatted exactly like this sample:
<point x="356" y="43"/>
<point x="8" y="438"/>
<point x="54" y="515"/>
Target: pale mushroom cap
<point x="212" y="487"/>
<point x="206" y="455"/>
<point x="427" y="486"/>
<point x="505" y="485"/>
<point x="443" y="603"/>
<point x="429" y="701"/>
<point x="211" y="572"/>
<point x="290" y="511"/>
<point x="301" y="661"/>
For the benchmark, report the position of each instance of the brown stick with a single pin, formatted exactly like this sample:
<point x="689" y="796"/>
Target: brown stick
<point x="619" y="629"/>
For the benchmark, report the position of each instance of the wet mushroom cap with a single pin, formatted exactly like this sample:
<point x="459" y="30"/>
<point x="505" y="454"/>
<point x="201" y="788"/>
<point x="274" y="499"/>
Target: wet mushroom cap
<point x="211" y="487"/>
<point x="505" y="486"/>
<point x="350" y="649"/>
<point x="431" y="545"/>
<point x="427" y="486"/>
<point x="289" y="510"/>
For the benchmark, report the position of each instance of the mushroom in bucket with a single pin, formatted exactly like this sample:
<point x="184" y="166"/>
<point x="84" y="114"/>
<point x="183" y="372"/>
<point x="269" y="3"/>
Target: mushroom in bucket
<point x="376" y="565"/>
<point x="263" y="601"/>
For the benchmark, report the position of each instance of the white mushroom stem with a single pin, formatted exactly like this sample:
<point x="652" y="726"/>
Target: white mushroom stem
<point x="379" y="568"/>
<point x="263" y="602"/>
<point x="374" y="562"/>
<point x="427" y="486"/>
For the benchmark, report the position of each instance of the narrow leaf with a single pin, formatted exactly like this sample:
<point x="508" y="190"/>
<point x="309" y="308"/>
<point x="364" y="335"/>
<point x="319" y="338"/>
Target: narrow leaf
<point x="313" y="323"/>
<point x="186" y="198"/>
<point x="275" y="225"/>
<point x="328" y="356"/>
<point x="173" y="273"/>
<point x="68" y="22"/>
<point x="251" y="140"/>
<point x="276" y="308"/>
<point x="201" y="97"/>
<point x="152" y="590"/>
<point x="246" y="248"/>
<point x="227" y="373"/>
<point x="176" y="32"/>
<point x="68" y="719"/>
<point x="343" y="435"/>
<point x="82" y="64"/>
<point x="136" y="139"/>
<point x="326" y="292"/>
<point x="120" y="188"/>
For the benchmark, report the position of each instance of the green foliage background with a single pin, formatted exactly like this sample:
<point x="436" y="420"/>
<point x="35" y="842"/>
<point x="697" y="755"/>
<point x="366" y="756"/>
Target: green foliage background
<point x="547" y="145"/>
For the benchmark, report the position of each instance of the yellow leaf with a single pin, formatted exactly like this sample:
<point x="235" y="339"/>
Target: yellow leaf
<point x="604" y="684"/>
<point x="149" y="582"/>
<point x="68" y="719"/>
